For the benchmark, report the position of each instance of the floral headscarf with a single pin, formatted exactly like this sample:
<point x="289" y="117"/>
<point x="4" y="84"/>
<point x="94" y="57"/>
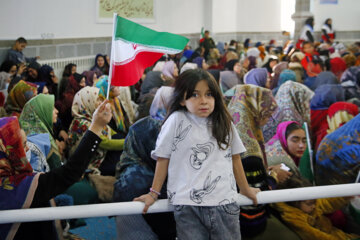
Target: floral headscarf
<point x="83" y="108"/>
<point x="248" y="107"/>
<point x="17" y="181"/>
<point x="18" y="96"/>
<point x="338" y="155"/>
<point x="293" y="100"/>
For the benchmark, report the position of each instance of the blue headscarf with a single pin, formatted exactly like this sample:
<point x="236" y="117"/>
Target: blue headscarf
<point x="256" y="76"/>
<point x="285" y="75"/>
<point x="324" y="78"/>
<point x="338" y="155"/>
<point x="325" y="95"/>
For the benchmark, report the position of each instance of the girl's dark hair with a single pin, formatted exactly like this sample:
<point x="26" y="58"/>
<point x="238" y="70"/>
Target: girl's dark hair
<point x="310" y="21"/>
<point x="295" y="181"/>
<point x="292" y="127"/>
<point x="220" y="117"/>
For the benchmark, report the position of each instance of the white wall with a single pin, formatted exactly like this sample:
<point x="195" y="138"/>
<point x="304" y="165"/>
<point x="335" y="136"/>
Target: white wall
<point x="259" y="15"/>
<point x="345" y="14"/>
<point x="76" y="18"/>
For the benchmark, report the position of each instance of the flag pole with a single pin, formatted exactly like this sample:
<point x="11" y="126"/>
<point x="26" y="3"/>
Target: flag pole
<point x="112" y="54"/>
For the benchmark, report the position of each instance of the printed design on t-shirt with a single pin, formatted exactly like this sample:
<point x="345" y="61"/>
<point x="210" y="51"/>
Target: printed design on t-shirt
<point x="197" y="195"/>
<point x="180" y="135"/>
<point x="233" y="182"/>
<point x="228" y="154"/>
<point x="200" y="153"/>
<point x="171" y="196"/>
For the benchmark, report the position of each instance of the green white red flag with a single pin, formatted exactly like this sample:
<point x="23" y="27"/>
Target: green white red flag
<point x="135" y="47"/>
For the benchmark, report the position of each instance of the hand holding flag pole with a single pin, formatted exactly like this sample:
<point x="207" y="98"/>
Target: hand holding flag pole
<point x="135" y="47"/>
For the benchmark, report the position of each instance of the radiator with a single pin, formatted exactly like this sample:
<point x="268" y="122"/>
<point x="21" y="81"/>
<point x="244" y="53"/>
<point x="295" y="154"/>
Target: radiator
<point x="82" y="64"/>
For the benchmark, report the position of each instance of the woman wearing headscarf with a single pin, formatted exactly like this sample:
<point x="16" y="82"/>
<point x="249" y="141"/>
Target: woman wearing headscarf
<point x="285" y="147"/>
<point x="84" y="105"/>
<point x="306" y="33"/>
<point x="250" y="108"/>
<point x="324" y="78"/>
<point x="32" y="74"/>
<point x="5" y="79"/>
<point x="232" y="77"/>
<point x="293" y="101"/>
<point x="325" y="95"/>
<point x="200" y="62"/>
<point x="19" y="95"/>
<point x="277" y="70"/>
<point x="100" y="65"/>
<point x="258" y="77"/>
<point x="350" y="81"/>
<point x="120" y="121"/>
<point x="328" y="34"/>
<point x="340" y="113"/>
<point x="63" y="104"/>
<point x="338" y="156"/>
<point x="38" y="116"/>
<point x="135" y="172"/>
<point x="46" y="74"/>
<point x="271" y="62"/>
<point x="286" y="75"/>
<point x="22" y="188"/>
<point x="91" y="77"/>
<point x="156" y="79"/>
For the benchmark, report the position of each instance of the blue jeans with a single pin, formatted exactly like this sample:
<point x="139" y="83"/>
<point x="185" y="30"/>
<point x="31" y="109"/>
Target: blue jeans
<point x="218" y="222"/>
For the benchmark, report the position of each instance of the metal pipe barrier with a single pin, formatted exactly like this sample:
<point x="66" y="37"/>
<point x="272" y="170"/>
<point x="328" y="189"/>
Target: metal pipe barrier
<point x="129" y="208"/>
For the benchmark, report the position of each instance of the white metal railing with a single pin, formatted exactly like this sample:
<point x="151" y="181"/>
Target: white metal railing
<point x="82" y="63"/>
<point x="128" y="208"/>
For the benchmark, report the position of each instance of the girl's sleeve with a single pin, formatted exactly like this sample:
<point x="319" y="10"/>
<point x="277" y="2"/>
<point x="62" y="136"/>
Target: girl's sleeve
<point x="237" y="145"/>
<point x="165" y="140"/>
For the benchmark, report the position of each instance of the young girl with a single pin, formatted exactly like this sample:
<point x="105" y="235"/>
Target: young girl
<point x="199" y="149"/>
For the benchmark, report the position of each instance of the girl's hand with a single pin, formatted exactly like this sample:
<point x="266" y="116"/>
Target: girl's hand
<point x="147" y="199"/>
<point x="251" y="193"/>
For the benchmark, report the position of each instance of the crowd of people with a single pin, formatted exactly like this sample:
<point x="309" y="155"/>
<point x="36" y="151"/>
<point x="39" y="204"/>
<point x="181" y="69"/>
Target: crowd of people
<point x="198" y="128"/>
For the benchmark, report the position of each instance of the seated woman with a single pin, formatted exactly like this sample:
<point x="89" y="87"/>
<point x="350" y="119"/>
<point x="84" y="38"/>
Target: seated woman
<point x="340" y="113"/>
<point x="156" y="79"/>
<point x="47" y="74"/>
<point x="135" y="173"/>
<point x="325" y="95"/>
<point x="287" y="146"/>
<point x="21" y="93"/>
<point x="22" y="188"/>
<point x="286" y="75"/>
<point x="100" y="65"/>
<point x="293" y="101"/>
<point x="74" y="83"/>
<point x="38" y="116"/>
<point x="258" y="77"/>
<point x="84" y="105"/>
<point x="233" y="76"/>
<point x="338" y="155"/>
<point x="250" y="108"/>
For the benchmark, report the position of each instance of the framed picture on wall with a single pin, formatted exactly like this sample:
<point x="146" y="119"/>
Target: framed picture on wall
<point x="141" y="11"/>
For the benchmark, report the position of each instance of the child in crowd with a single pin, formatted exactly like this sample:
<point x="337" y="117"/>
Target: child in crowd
<point x="199" y="148"/>
<point x="16" y="55"/>
<point x="307" y="218"/>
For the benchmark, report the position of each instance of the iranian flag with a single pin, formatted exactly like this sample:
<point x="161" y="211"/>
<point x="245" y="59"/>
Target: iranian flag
<point x="135" y="47"/>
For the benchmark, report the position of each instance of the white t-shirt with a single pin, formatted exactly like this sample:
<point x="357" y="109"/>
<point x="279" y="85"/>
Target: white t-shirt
<point x="199" y="172"/>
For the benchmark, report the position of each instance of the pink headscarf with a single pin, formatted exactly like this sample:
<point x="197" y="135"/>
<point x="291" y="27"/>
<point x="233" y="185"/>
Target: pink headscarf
<point x="281" y="136"/>
<point x="168" y="69"/>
